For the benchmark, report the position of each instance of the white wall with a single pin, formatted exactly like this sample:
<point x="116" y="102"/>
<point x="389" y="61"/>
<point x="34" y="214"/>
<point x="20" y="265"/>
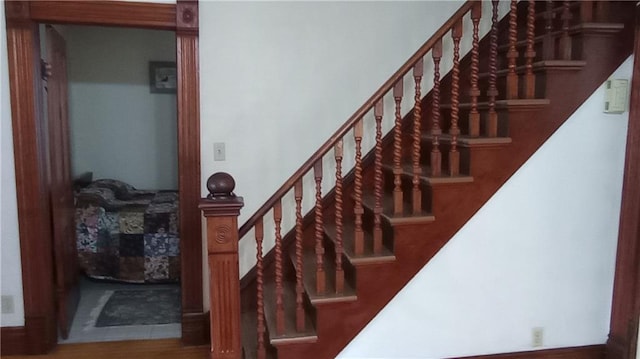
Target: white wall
<point x="10" y="269"/>
<point x="539" y="253"/>
<point x="118" y="128"/>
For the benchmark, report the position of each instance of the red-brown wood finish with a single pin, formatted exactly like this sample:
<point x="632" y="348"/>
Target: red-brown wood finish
<point x="625" y="309"/>
<point x="299" y="286"/>
<point x="512" y="54"/>
<point x="30" y="155"/>
<point x="188" y="102"/>
<point x="436" y="130"/>
<point x="105" y="13"/>
<point x="586" y="352"/>
<point x="474" y="92"/>
<point x="377" y="216"/>
<point x="221" y="212"/>
<point x="338" y="153"/>
<point x="321" y="279"/>
<point x="277" y="219"/>
<point x="416" y="192"/>
<point x="530" y="54"/>
<point x="565" y="40"/>
<point x="454" y="130"/>
<point x="492" y="92"/>
<point x="548" y="41"/>
<point x="261" y="329"/>
<point x="338" y="319"/>
<point x="398" y="196"/>
<point x="60" y="182"/>
<point x="358" y="210"/>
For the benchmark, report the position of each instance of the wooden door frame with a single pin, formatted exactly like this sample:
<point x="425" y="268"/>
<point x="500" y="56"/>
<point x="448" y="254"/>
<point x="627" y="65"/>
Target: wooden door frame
<point x="625" y="308"/>
<point x="39" y="333"/>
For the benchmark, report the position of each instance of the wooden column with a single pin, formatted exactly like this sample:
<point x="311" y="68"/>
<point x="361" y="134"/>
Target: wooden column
<point x="221" y="209"/>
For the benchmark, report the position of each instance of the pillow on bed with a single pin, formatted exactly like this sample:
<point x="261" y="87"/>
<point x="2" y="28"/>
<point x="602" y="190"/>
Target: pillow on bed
<point x="122" y="190"/>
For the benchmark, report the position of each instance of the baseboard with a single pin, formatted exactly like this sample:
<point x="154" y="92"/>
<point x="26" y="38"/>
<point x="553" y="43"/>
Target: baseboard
<point x="195" y="328"/>
<point x="585" y="352"/>
<point x="13" y="341"/>
<point x="617" y="347"/>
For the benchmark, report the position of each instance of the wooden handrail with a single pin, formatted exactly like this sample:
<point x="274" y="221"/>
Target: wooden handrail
<point x="377" y="96"/>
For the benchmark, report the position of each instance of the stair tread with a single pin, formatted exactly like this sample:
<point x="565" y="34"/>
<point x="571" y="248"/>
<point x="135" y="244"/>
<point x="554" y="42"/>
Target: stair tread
<point x="407" y="169"/>
<point x="466" y="141"/>
<point x="368" y="257"/>
<point x="597" y="27"/>
<point x="290" y="335"/>
<point x="368" y="201"/>
<point x="309" y="279"/>
<point x="569" y="65"/>
<point x="521" y="104"/>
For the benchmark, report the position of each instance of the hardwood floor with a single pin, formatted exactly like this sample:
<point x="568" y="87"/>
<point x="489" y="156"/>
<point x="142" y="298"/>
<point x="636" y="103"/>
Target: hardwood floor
<point x="139" y="349"/>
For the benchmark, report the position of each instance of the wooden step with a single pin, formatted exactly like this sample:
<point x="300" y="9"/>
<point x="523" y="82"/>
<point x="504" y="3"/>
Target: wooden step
<point x="368" y="257"/>
<point x="472" y="142"/>
<point x="368" y="201"/>
<point x="290" y="335"/>
<point x="407" y="172"/>
<point x="603" y="28"/>
<point x="511" y="105"/>
<point x="541" y="66"/>
<point x="309" y="261"/>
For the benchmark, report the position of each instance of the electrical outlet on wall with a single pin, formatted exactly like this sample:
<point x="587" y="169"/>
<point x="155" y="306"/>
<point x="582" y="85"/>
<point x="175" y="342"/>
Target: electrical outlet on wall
<point x="6" y="302"/>
<point x="537" y="335"/>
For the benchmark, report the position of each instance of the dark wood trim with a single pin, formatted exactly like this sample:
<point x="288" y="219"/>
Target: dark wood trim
<point x="13" y="340"/>
<point x="105" y="13"/>
<point x="30" y="149"/>
<point x="189" y="168"/>
<point x="586" y="352"/>
<point x="626" y="288"/>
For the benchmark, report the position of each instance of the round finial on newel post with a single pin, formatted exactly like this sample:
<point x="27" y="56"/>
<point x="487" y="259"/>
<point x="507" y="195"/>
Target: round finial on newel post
<point x="221" y="185"/>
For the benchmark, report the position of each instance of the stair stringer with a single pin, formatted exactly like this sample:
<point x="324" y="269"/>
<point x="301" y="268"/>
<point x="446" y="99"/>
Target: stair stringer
<point x="415" y="245"/>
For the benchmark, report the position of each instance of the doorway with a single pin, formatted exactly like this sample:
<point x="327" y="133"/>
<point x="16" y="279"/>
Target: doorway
<point x="40" y="330"/>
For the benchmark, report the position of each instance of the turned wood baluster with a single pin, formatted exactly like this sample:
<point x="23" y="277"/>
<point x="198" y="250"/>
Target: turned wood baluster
<point x="586" y="11"/>
<point x="320" y="274"/>
<point x="474" y="115"/>
<point x="512" y="54"/>
<point x="492" y="92"/>
<point x="397" y="151"/>
<point x="454" y="130"/>
<point x="436" y="130"/>
<point x="358" y="210"/>
<point x="277" y="218"/>
<point x="565" y="39"/>
<point x="259" y="231"/>
<point x="418" y="70"/>
<point x="548" y="42"/>
<point x="338" y="153"/>
<point x="529" y="78"/>
<point x="300" y="325"/>
<point x="377" y="191"/>
<point x="602" y="11"/>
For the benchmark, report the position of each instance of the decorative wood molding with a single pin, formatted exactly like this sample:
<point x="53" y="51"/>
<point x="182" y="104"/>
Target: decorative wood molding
<point x="13" y="341"/>
<point x="109" y="13"/>
<point x="221" y="210"/>
<point x="31" y="182"/>
<point x="585" y="352"/>
<point x="626" y="288"/>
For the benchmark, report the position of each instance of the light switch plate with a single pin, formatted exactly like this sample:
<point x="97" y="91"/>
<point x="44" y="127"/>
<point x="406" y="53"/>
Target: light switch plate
<point x="6" y="302"/>
<point x="218" y="151"/>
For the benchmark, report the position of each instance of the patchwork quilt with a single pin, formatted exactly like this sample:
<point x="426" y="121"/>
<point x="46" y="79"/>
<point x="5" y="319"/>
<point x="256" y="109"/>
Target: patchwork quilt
<point x="129" y="236"/>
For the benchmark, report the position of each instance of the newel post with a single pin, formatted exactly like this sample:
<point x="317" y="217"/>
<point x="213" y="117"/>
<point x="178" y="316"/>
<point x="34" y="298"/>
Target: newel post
<point x="221" y="209"/>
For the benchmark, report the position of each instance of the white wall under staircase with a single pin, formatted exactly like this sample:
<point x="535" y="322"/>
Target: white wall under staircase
<point x="539" y="254"/>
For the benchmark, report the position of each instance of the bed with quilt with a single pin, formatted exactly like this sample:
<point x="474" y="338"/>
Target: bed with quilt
<point x="128" y="235"/>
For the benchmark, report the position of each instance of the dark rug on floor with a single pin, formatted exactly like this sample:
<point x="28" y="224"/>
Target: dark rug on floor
<point x="141" y="307"/>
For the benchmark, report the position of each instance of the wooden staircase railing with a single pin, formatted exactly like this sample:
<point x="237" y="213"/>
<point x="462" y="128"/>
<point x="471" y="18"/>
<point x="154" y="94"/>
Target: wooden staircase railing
<point x="443" y="161"/>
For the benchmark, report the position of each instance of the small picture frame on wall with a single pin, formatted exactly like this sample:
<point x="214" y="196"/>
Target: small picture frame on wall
<point x="163" y="77"/>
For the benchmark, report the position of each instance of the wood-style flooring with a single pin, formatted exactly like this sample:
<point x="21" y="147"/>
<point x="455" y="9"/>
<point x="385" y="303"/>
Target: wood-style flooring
<point x="139" y="349"/>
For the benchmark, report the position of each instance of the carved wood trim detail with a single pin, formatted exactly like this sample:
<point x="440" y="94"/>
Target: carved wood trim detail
<point x="25" y="72"/>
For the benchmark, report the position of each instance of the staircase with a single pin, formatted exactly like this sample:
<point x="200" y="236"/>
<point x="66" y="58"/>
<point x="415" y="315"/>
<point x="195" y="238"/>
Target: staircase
<point x="399" y="203"/>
